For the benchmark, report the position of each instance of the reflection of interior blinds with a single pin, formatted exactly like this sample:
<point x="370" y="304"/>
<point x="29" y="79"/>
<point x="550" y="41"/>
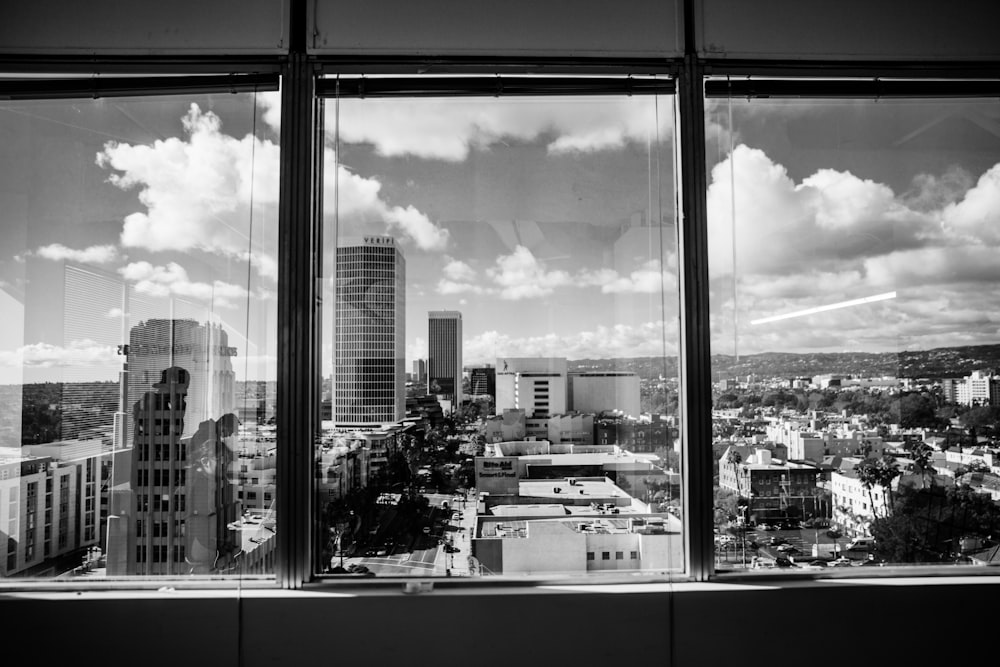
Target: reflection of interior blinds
<point x="91" y="335"/>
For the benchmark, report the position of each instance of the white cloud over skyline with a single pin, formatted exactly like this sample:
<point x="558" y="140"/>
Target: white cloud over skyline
<point x="97" y="254"/>
<point x="172" y="280"/>
<point x="520" y="275"/>
<point x="601" y="342"/>
<point x="196" y="190"/>
<point x="448" y="128"/>
<point x="44" y="355"/>
<point x="835" y="236"/>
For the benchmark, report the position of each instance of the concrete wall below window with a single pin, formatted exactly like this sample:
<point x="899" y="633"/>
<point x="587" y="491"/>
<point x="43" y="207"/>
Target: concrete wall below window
<point x="878" y="621"/>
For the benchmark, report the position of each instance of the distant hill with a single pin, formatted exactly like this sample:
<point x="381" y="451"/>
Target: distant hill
<point x="936" y="363"/>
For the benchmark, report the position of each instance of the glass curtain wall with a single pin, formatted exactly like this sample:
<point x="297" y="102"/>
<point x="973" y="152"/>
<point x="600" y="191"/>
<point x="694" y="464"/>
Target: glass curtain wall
<point x="137" y="354"/>
<point x="853" y="247"/>
<point x="499" y="337"/>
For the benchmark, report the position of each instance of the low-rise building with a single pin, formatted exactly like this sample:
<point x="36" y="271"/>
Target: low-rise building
<point x="775" y="489"/>
<point x="578" y="544"/>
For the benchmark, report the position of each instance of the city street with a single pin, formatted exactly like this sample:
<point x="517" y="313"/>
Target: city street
<point x="434" y="560"/>
<point x="802" y="539"/>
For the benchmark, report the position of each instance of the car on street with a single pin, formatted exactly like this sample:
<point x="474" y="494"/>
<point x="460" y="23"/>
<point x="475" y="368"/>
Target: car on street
<point x="840" y="562"/>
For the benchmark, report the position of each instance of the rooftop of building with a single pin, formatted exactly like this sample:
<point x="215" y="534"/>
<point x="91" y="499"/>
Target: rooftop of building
<point x="650" y="524"/>
<point x="594" y="487"/>
<point x="555" y="510"/>
<point x="590" y="458"/>
<point x="254" y="529"/>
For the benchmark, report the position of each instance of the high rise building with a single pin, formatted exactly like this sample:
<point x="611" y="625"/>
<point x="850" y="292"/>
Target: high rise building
<point x="444" y="354"/>
<point x="175" y="518"/>
<point x="419" y="371"/>
<point x="483" y="381"/>
<point x="370" y="333"/>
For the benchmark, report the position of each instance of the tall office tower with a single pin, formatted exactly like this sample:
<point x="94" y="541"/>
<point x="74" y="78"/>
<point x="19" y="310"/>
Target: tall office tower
<point x="370" y="333"/>
<point x="483" y="381"/>
<point x="176" y="520"/>
<point x="419" y="371"/>
<point x="444" y="354"/>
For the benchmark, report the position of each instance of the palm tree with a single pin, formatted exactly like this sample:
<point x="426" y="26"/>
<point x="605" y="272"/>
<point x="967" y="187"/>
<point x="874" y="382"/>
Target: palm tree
<point x="881" y="473"/>
<point x="921" y="455"/>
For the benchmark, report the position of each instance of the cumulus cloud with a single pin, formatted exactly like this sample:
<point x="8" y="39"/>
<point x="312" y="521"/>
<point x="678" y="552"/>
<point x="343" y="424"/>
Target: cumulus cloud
<point x="648" y="279"/>
<point x="837" y="236"/>
<point x="520" y="275"/>
<point x="621" y="340"/>
<point x="358" y="203"/>
<point x="44" y="355"/>
<point x="196" y="190"/>
<point x="96" y="254"/>
<point x="458" y="270"/>
<point x="447" y="129"/>
<point x="977" y="216"/>
<point x="172" y="280"/>
<point x="830" y="217"/>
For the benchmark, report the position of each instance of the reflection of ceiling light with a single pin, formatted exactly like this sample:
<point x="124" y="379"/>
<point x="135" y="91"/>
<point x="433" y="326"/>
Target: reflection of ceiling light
<point x="820" y="309"/>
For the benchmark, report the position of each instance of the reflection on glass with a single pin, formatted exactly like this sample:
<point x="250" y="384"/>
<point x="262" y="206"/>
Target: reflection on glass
<point x="499" y="368"/>
<point x="137" y="281"/>
<point x="853" y="264"/>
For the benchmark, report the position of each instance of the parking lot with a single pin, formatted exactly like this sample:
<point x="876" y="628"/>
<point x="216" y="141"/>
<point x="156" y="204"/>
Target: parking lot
<point x="799" y="545"/>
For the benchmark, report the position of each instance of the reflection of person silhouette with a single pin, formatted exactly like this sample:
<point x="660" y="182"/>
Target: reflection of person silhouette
<point x="212" y="545"/>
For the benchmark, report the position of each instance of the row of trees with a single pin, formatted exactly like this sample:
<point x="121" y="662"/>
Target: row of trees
<point x="909" y="410"/>
<point x="929" y="521"/>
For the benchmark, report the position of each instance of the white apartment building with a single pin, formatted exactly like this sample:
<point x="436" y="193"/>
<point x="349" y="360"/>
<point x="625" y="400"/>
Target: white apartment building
<point x="49" y="504"/>
<point x="536" y="385"/>
<point x="853" y="507"/>
<point x="978" y="389"/>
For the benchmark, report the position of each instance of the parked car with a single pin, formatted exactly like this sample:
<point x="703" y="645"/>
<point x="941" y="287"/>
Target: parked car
<point x="840" y="562"/>
<point x="834" y="533"/>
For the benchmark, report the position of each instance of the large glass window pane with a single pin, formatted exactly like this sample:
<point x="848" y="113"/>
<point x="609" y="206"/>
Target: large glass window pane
<point x="137" y="359"/>
<point x="853" y="267"/>
<point x="500" y="334"/>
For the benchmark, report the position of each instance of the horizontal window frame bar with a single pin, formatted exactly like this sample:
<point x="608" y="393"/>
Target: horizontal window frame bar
<point x="485" y="66"/>
<point x="874" y="88"/>
<point x="832" y="69"/>
<point x="17" y="89"/>
<point x="489" y="86"/>
<point x="139" y="64"/>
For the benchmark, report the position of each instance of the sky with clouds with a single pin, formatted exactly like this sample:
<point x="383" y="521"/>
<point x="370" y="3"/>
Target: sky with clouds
<point x="549" y="223"/>
<point x="832" y="202"/>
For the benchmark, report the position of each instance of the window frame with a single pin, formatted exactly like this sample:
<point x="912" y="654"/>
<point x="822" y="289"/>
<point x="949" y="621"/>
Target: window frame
<point x="300" y="246"/>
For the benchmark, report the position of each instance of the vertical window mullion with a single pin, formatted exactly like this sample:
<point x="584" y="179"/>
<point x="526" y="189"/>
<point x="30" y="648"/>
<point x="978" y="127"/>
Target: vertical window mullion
<point x="695" y="352"/>
<point x="297" y="245"/>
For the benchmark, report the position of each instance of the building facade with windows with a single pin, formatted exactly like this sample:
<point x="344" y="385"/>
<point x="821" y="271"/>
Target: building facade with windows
<point x="535" y="385"/>
<point x="370" y="333"/>
<point x="444" y="355"/>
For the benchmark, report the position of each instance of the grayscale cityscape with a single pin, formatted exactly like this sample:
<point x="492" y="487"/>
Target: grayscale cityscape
<point x="497" y="386"/>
